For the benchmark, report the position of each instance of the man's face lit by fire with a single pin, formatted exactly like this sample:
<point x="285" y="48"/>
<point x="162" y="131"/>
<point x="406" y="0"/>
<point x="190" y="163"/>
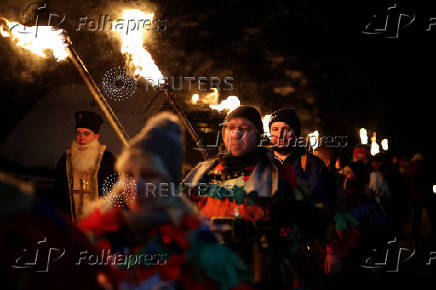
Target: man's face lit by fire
<point x="240" y="136"/>
<point x="281" y="134"/>
<point x="84" y="136"/>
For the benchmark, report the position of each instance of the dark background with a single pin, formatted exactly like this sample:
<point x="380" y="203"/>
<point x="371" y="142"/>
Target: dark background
<point x="339" y="78"/>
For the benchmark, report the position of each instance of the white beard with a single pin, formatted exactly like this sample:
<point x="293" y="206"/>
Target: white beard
<point x="84" y="161"/>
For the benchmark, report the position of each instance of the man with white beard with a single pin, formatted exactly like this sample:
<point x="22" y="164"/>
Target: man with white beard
<point x="84" y="166"/>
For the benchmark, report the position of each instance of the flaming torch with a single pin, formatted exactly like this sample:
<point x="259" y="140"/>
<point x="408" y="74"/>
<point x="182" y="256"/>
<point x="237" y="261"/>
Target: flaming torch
<point x="265" y="122"/>
<point x="385" y="144"/>
<point x="313" y="139"/>
<point x="195" y="98"/>
<point x="363" y="136"/>
<point x="60" y="44"/>
<point x="375" y="148"/>
<point x="229" y="104"/>
<point x="140" y="63"/>
<point x="96" y="93"/>
<point x="48" y="39"/>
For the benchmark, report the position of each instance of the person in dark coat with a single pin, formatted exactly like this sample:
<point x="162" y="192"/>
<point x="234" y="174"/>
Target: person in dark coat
<point x="285" y="131"/>
<point x="253" y="202"/>
<point x="420" y="185"/>
<point x="39" y="248"/>
<point x="82" y="170"/>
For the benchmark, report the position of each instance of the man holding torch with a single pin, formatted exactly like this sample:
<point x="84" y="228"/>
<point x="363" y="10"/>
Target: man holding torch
<point x="81" y="170"/>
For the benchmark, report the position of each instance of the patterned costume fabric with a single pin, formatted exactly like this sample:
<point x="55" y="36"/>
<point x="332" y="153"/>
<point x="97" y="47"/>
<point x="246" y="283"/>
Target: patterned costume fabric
<point x="285" y="226"/>
<point x="184" y="256"/>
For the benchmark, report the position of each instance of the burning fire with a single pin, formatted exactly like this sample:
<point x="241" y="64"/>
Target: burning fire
<point x="314" y="139"/>
<point x="209" y="99"/>
<point x="363" y="136"/>
<point x="229" y="104"/>
<point x="43" y="38"/>
<point x="375" y="148"/>
<point x="265" y="121"/>
<point x="135" y="54"/>
<point x="384" y="144"/>
<point x="195" y="98"/>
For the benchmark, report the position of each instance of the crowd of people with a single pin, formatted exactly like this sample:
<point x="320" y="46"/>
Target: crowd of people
<point x="258" y="215"/>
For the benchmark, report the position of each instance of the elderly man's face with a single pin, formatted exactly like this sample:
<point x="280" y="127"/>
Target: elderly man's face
<point x="84" y="136"/>
<point x="281" y="134"/>
<point x="240" y="136"/>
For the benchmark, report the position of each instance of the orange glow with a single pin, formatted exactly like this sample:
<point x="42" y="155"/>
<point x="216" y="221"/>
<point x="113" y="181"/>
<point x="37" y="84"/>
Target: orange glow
<point x="137" y="57"/>
<point x="45" y="38"/>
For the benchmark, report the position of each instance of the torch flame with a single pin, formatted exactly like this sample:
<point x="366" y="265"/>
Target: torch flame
<point x="375" y="148"/>
<point x="45" y="37"/>
<point x="265" y="121"/>
<point x="212" y="97"/>
<point x="209" y="99"/>
<point x="384" y="144"/>
<point x="137" y="57"/>
<point x="229" y="104"/>
<point x="195" y="98"/>
<point x="314" y="139"/>
<point x="363" y="136"/>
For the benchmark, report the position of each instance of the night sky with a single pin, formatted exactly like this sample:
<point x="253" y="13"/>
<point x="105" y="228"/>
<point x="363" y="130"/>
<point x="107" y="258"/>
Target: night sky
<point x="340" y="78"/>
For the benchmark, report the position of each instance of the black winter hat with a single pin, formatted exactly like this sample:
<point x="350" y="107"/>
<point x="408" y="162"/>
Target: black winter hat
<point x="250" y="113"/>
<point x="288" y="116"/>
<point x="89" y="120"/>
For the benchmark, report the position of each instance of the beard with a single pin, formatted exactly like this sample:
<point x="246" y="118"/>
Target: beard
<point x="84" y="161"/>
